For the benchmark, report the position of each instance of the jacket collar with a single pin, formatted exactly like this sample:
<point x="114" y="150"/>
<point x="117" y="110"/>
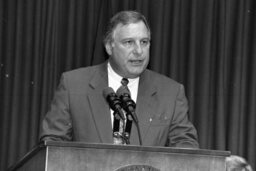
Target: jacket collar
<point x="98" y="104"/>
<point x="145" y="108"/>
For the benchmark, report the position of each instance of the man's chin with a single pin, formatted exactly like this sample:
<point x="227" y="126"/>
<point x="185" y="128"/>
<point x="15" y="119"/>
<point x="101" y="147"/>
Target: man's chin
<point x="135" y="74"/>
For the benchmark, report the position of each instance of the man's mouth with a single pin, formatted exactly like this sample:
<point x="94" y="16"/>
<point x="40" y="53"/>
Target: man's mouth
<point x="136" y="62"/>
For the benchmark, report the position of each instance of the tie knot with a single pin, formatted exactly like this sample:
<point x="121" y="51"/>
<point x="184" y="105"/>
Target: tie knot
<point x="124" y="81"/>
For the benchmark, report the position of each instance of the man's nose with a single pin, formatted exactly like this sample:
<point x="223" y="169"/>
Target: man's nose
<point x="137" y="48"/>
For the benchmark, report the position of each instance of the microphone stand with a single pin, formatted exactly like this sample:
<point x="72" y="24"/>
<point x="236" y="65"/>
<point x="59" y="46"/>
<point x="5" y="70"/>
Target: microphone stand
<point x="128" y="128"/>
<point x="129" y="106"/>
<point x="138" y="129"/>
<point x="124" y="136"/>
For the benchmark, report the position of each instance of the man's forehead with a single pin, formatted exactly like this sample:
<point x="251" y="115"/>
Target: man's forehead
<point x="131" y="29"/>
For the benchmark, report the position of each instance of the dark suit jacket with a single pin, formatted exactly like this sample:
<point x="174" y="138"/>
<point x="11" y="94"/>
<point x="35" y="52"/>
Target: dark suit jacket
<point x="79" y="111"/>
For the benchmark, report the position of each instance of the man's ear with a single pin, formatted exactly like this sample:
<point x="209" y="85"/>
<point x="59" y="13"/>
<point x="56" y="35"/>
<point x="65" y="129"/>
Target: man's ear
<point x="108" y="47"/>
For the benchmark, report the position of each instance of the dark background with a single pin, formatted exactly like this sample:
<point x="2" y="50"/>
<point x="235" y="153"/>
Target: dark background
<point x="207" y="45"/>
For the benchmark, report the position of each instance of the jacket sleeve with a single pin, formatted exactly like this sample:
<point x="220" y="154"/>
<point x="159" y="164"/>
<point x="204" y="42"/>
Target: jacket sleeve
<point x="182" y="133"/>
<point x="57" y="123"/>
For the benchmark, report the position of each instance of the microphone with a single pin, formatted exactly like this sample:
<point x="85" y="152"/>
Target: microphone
<point x="127" y="103"/>
<point x="129" y="106"/>
<point x="113" y="101"/>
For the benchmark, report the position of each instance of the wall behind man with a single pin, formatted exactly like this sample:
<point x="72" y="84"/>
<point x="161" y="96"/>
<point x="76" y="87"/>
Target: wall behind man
<point x="208" y="45"/>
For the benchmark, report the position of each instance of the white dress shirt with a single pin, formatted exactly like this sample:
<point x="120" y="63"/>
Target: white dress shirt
<point x="114" y="81"/>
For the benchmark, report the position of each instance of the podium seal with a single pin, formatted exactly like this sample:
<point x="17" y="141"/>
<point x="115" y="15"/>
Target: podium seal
<point x="137" y="168"/>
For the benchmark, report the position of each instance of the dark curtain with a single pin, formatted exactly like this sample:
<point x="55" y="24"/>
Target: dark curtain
<point x="207" y="45"/>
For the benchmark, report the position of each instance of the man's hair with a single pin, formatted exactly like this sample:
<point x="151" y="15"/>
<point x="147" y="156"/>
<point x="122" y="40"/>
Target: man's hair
<point x="124" y="18"/>
<point x="236" y="163"/>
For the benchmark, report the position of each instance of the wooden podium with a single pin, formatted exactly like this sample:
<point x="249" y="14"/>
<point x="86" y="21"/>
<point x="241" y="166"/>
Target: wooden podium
<point x="75" y="156"/>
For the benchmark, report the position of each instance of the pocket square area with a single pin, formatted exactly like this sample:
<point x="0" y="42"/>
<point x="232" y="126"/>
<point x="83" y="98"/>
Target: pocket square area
<point x="160" y="120"/>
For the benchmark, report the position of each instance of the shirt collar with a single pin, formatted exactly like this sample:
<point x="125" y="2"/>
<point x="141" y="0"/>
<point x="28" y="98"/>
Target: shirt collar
<point x="118" y="78"/>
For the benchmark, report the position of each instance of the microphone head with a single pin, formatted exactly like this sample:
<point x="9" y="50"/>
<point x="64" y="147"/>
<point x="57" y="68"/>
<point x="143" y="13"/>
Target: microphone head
<point x="113" y="101"/>
<point x="107" y="91"/>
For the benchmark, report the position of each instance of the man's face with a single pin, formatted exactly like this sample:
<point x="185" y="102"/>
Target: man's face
<point x="129" y="50"/>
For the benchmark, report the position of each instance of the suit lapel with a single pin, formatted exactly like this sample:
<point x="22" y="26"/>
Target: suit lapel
<point x="145" y="107"/>
<point x="99" y="106"/>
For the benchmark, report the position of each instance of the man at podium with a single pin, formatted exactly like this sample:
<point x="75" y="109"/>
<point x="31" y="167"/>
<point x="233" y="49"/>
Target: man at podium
<point x="121" y="101"/>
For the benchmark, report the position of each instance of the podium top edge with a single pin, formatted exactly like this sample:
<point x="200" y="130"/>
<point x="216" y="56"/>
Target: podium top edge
<point x="135" y="148"/>
<point x="65" y="144"/>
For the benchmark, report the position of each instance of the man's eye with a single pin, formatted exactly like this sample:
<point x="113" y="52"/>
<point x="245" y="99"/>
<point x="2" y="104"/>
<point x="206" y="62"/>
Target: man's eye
<point x="128" y="43"/>
<point x="144" y="42"/>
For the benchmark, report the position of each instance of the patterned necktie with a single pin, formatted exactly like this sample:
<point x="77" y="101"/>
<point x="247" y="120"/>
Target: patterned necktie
<point x="124" y="81"/>
<point x="124" y="87"/>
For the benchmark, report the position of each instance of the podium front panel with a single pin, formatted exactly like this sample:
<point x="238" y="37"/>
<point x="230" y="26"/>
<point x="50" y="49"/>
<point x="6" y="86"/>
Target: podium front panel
<point x="74" y="156"/>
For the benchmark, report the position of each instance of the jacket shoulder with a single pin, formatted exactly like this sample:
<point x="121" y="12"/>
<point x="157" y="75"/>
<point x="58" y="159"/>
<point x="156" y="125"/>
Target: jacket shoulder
<point x="161" y="79"/>
<point x="84" y="72"/>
